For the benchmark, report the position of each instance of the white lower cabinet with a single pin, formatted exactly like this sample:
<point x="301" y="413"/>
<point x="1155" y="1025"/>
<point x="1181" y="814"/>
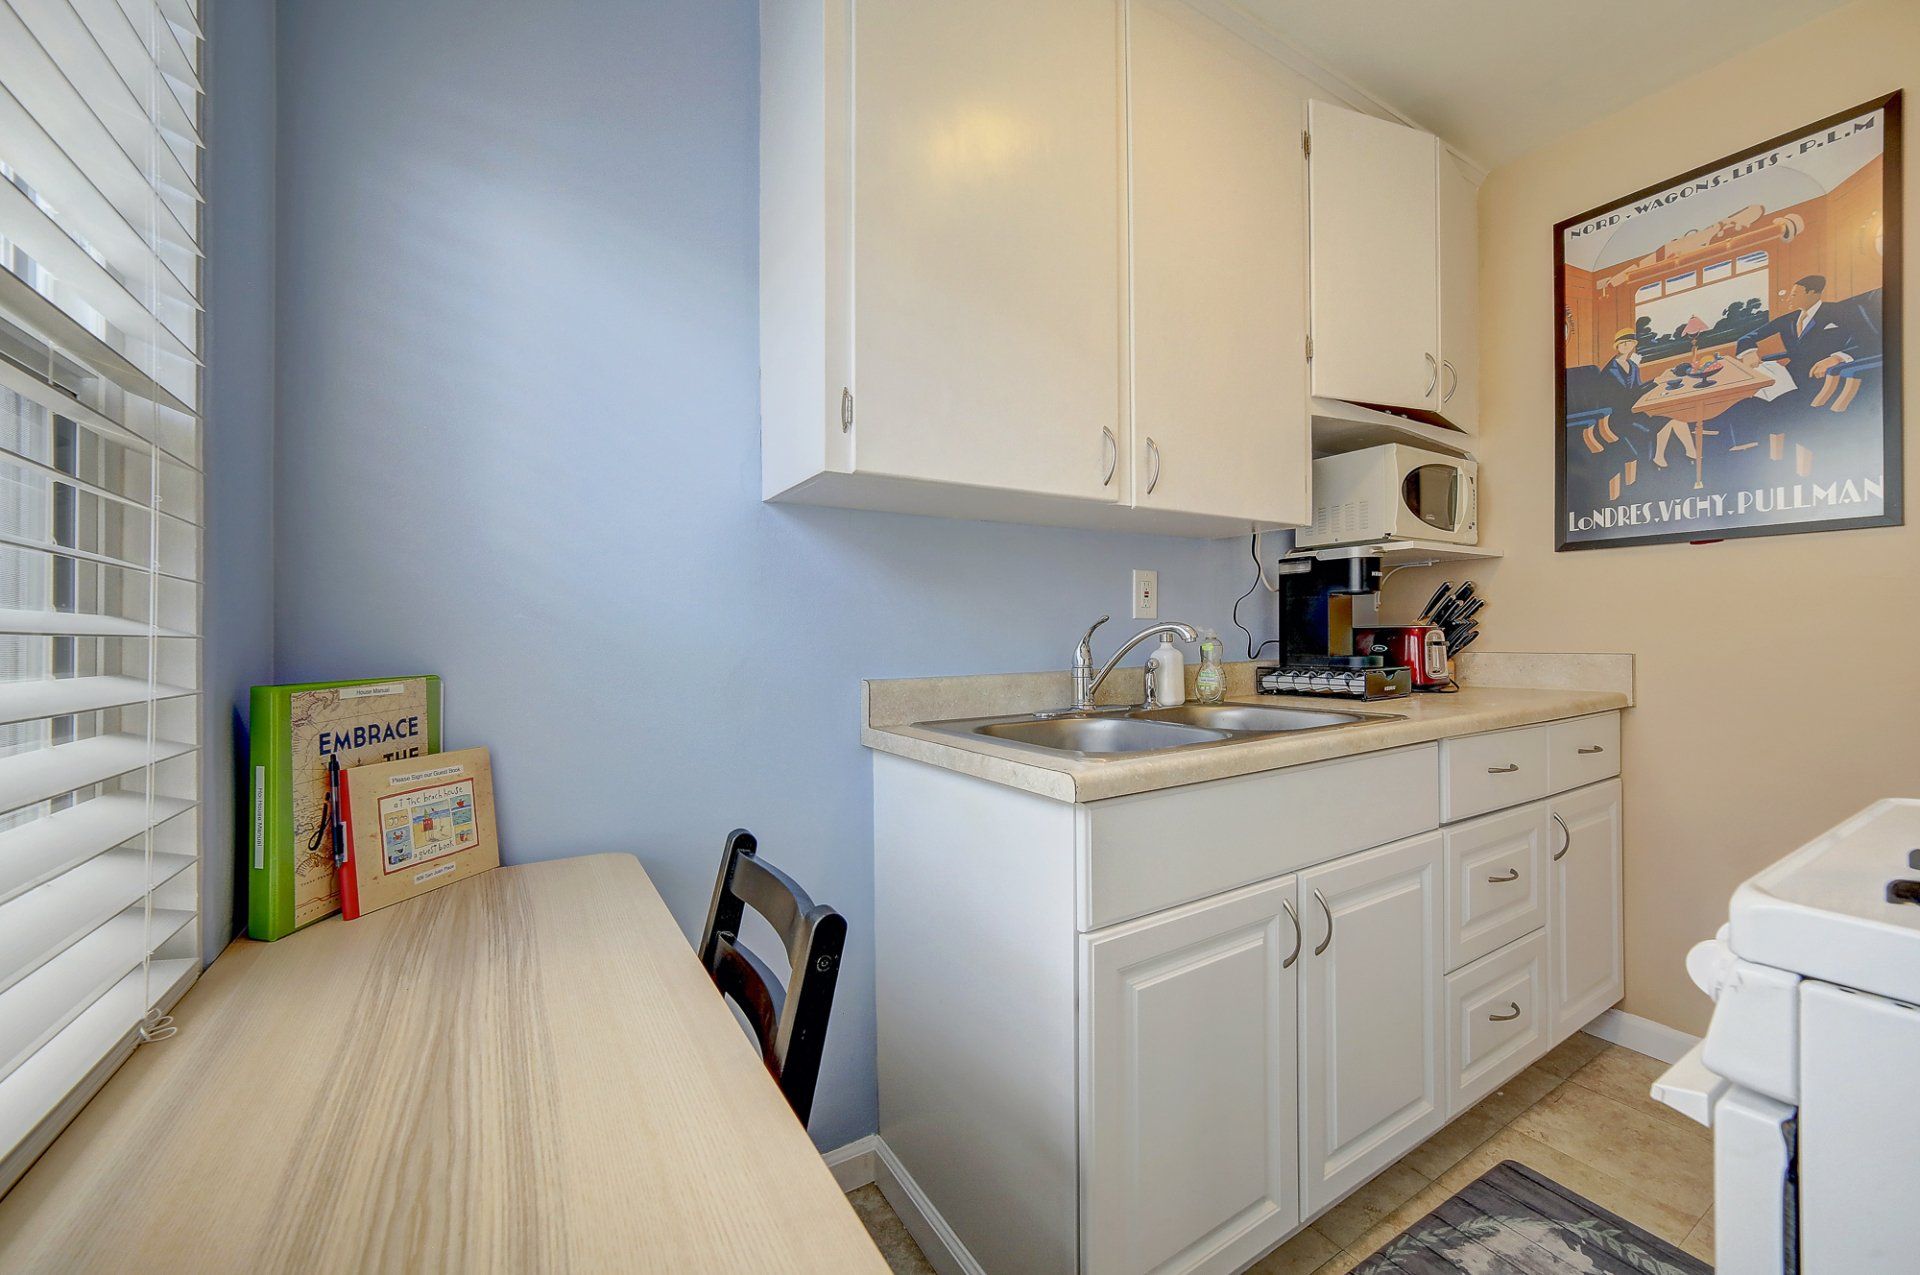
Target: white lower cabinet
<point x="1370" y="1013"/>
<point x="1588" y="961"/>
<point x="1190" y="1142"/>
<point x="1160" y="1032"/>
<point x="1496" y="1019"/>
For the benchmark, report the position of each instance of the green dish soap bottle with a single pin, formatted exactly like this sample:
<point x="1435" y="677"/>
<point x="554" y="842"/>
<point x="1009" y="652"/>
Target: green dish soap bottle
<point x="1210" y="682"/>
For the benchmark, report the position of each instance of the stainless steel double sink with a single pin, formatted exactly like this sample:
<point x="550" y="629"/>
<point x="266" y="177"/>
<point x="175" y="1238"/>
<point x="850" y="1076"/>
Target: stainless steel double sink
<point x="1112" y="732"/>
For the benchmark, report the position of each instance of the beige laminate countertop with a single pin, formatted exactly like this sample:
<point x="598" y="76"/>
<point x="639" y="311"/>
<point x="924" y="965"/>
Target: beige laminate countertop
<point x="1417" y="719"/>
<point x="525" y="1071"/>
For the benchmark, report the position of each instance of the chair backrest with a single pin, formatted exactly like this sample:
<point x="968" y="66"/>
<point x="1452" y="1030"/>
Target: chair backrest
<point x="789" y="1020"/>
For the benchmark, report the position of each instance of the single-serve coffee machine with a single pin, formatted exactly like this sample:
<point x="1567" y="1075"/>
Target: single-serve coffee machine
<point x="1317" y="654"/>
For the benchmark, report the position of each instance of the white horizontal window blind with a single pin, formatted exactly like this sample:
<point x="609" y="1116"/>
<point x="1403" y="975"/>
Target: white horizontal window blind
<point x="100" y="328"/>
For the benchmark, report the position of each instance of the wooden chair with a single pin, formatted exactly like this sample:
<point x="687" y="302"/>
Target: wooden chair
<point x="790" y="1021"/>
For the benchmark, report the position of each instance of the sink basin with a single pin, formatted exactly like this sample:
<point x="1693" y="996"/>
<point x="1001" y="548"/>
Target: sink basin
<point x="1248" y="717"/>
<point x="1099" y="734"/>
<point x="1118" y="732"/>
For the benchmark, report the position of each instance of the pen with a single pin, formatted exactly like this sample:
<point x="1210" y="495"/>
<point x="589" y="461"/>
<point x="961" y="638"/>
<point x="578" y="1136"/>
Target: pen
<point x="339" y="815"/>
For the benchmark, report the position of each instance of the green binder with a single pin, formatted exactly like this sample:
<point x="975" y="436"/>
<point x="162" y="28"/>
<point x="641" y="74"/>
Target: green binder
<point x="295" y="729"/>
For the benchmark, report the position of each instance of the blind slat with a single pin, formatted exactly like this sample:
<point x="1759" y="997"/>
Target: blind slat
<point x="34" y="1010"/>
<point x="62" y="39"/>
<point x="47" y="1089"/>
<point x="65" y="696"/>
<point x="127" y="49"/>
<point x="40" y="851"/>
<point x="47" y="923"/>
<point x="73" y="624"/>
<point x="50" y="321"/>
<point x="29" y="778"/>
<point x="57" y="400"/>
<point x="64" y="114"/>
<point x="90" y="211"/>
<point x="28" y="225"/>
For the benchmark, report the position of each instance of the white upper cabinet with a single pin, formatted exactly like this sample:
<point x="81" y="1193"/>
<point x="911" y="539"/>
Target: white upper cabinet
<point x="1394" y="254"/>
<point x="987" y="243"/>
<point x="988" y="229"/>
<point x="942" y="256"/>
<point x="1218" y="186"/>
<point x="1459" y="292"/>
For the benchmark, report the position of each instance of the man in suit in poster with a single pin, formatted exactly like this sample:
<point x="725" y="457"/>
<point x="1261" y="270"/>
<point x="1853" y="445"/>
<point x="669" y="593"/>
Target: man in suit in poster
<point x="1816" y="337"/>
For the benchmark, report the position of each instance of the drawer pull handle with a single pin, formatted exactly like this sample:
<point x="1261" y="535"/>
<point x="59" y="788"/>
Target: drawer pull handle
<point x="1513" y="874"/>
<point x="1565" y="832"/>
<point x="1507" y="769"/>
<point x="1591" y="749"/>
<point x="1298" y="934"/>
<point x="1328" y="913"/>
<point x="1513" y="1008"/>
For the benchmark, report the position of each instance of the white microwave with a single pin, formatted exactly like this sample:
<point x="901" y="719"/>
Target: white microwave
<point x="1393" y="492"/>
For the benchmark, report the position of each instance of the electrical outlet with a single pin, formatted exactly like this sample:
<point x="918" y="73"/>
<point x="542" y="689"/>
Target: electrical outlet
<point x="1146" y="595"/>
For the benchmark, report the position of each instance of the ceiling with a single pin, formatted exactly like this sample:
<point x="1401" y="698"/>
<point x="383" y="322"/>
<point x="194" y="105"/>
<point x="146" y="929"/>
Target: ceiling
<point x="1498" y="78"/>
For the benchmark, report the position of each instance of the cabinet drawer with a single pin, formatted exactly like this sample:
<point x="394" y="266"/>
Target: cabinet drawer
<point x="1153" y="850"/>
<point x="1585" y="750"/>
<point x="1496" y="1020"/>
<point x="1496" y="886"/>
<point x="1479" y="773"/>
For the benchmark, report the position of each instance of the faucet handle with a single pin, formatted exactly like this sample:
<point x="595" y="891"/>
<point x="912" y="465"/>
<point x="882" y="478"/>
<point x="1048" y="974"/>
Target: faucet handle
<point x="1083" y="654"/>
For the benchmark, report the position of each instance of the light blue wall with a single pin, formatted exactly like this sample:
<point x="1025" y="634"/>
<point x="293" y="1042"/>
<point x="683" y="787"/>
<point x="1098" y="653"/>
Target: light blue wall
<point x="238" y="599"/>
<point x="519" y="446"/>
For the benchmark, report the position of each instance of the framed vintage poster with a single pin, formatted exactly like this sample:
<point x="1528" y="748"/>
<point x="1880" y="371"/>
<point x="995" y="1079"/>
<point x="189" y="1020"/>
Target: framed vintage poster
<point x="1729" y="347"/>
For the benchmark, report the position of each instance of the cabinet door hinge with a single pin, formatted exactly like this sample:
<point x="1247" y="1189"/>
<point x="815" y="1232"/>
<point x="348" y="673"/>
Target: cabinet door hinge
<point x="846" y="410"/>
<point x="1309" y="347"/>
<point x="1306" y="143"/>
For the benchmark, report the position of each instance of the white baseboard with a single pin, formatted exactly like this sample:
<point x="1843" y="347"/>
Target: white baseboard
<point x="1642" y="1035"/>
<point x="930" y="1231"/>
<point x="852" y="1164"/>
<point x="869" y="1160"/>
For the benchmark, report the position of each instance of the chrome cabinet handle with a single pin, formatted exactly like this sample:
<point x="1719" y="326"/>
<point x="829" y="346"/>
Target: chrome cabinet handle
<point x="1566" y="832"/>
<point x="1513" y="874"/>
<point x="1503" y="770"/>
<point x="1513" y="1008"/>
<point x="1299" y="935"/>
<point x="1596" y="748"/>
<point x="1455" y="386"/>
<point x="1153" y="466"/>
<point x="1113" y="454"/>
<point x="1433" y="377"/>
<point x="1328" y="912"/>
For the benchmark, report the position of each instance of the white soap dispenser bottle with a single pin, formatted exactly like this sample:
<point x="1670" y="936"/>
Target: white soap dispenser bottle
<point x="1169" y="674"/>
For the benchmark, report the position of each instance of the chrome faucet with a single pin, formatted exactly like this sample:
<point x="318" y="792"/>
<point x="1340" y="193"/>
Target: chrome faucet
<point x="1086" y="682"/>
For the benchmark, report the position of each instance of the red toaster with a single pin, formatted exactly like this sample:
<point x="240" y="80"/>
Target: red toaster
<point x="1420" y="647"/>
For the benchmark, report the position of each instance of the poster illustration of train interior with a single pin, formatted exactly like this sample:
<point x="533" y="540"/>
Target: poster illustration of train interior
<point x="1729" y="346"/>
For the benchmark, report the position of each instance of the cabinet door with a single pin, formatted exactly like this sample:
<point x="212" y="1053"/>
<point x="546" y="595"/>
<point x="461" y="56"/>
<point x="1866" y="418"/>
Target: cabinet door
<point x="1584" y="892"/>
<point x="1459" y="292"/>
<point x="1189" y="1150"/>
<point x="1371" y="1013"/>
<point x="987" y="244"/>
<point x="1219" y="233"/>
<point x="1375" y="285"/>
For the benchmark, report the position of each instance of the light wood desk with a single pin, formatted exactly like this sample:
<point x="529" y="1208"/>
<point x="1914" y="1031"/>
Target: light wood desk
<point x="524" y="1072"/>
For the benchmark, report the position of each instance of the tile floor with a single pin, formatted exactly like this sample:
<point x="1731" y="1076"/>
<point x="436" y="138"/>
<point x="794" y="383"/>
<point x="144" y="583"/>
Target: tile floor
<point x="1581" y="1115"/>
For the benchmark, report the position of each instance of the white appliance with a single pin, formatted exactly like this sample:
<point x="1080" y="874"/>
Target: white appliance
<point x="1808" y="1071"/>
<point x="1393" y="492"/>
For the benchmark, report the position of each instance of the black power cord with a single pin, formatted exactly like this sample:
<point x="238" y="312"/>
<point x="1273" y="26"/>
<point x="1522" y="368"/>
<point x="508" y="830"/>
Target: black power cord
<point x="1259" y="578"/>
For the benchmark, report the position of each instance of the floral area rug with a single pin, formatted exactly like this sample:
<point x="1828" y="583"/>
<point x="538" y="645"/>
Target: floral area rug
<point x="1513" y="1221"/>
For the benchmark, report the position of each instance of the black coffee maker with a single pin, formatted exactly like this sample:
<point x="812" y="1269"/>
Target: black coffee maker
<point x="1316" y="634"/>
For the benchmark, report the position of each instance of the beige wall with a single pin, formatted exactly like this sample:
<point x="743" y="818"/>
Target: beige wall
<point x="1775" y="693"/>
